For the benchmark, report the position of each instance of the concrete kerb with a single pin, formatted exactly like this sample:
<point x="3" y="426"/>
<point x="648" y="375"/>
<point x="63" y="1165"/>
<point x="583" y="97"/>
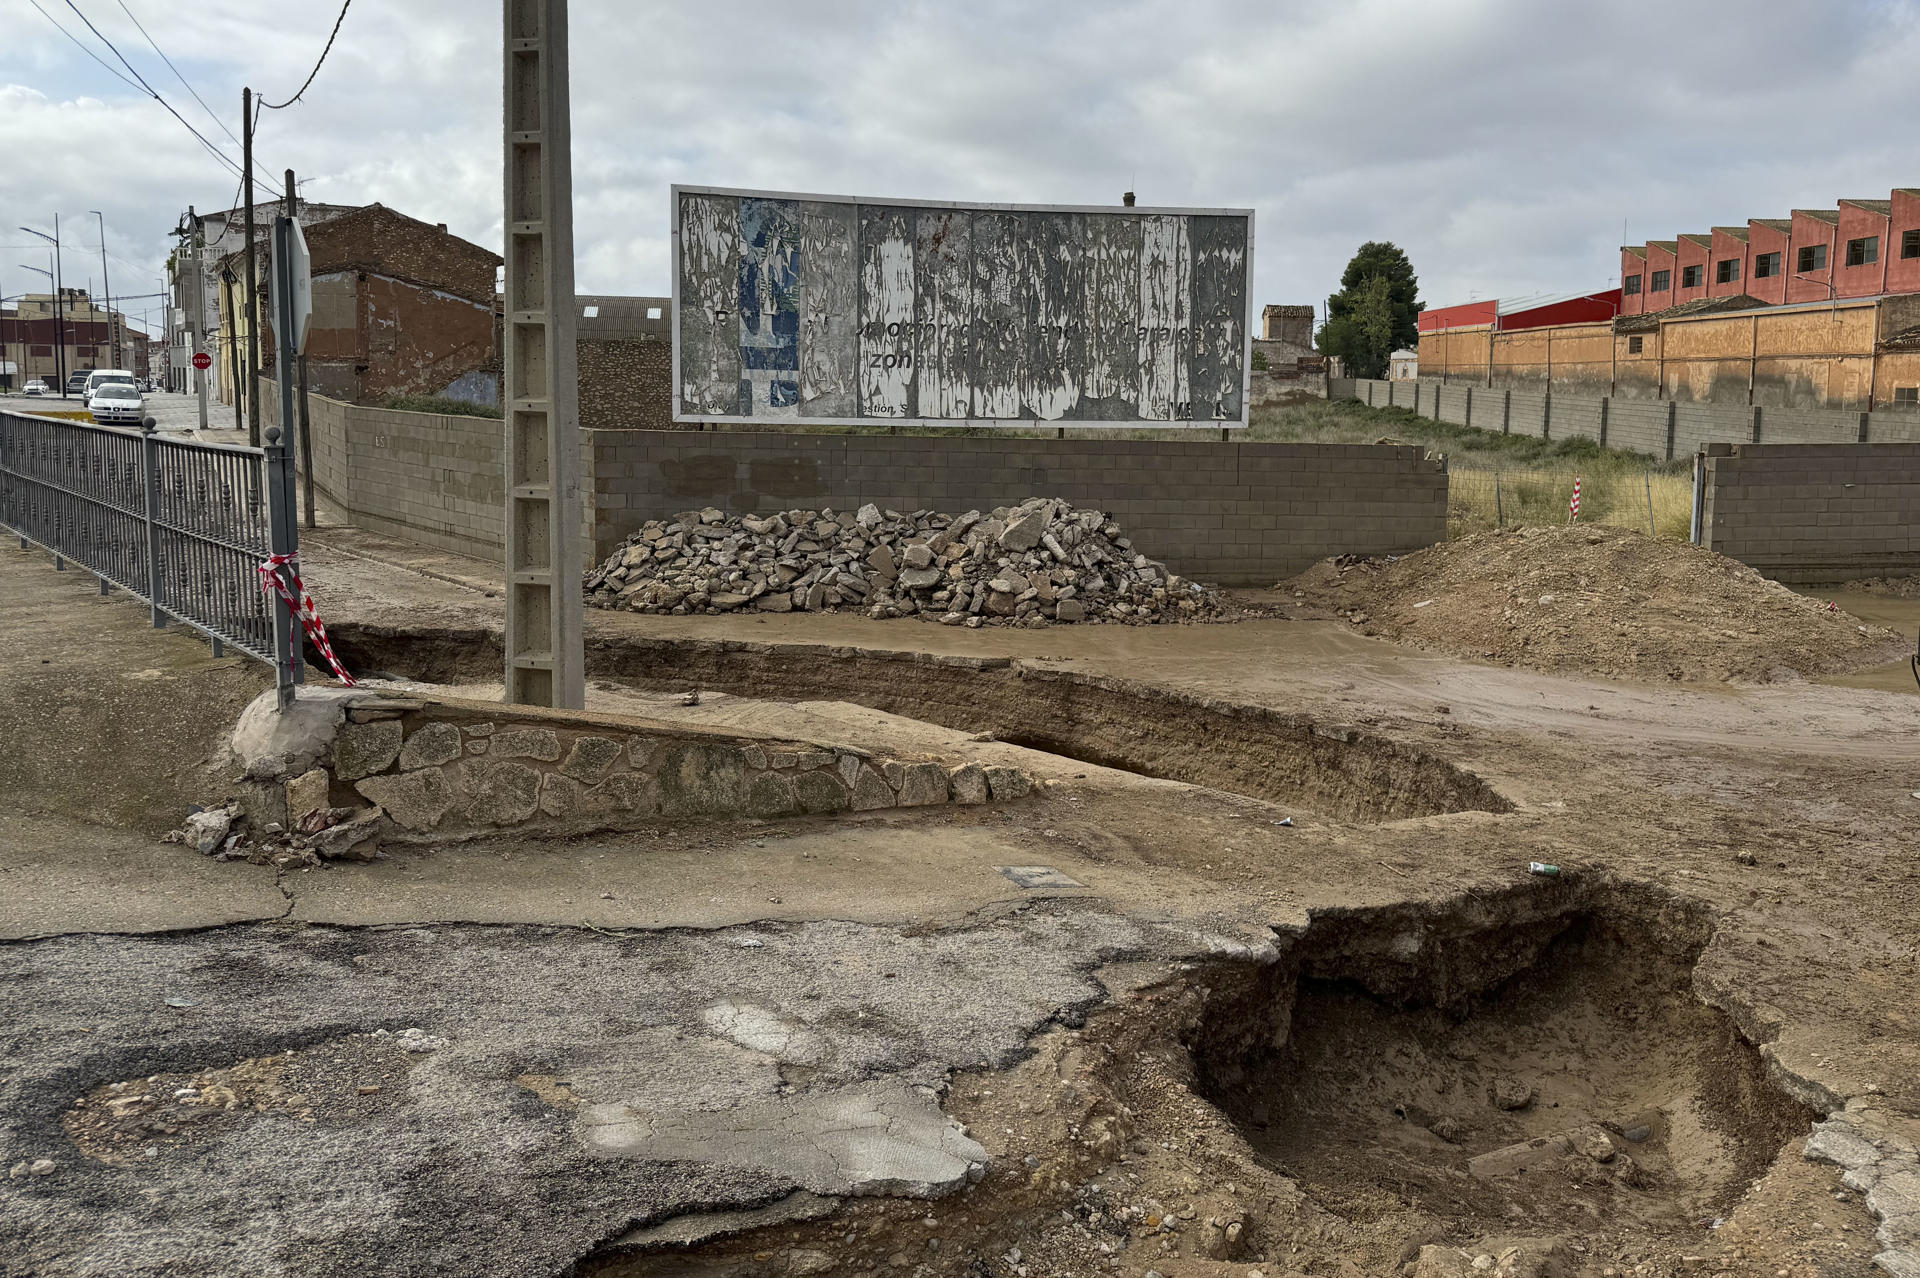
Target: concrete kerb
<point x="350" y="769"/>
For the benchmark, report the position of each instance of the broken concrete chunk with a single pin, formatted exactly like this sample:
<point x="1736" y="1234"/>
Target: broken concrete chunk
<point x="1006" y="783"/>
<point x="307" y="794"/>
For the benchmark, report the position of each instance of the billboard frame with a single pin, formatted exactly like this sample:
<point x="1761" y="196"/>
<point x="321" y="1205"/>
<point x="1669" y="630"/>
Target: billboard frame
<point x="676" y="190"/>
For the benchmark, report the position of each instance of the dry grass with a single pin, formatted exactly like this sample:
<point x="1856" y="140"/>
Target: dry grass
<point x="1656" y="502"/>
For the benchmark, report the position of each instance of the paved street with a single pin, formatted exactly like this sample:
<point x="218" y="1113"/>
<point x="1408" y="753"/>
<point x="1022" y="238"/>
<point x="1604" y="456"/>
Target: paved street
<point x="173" y="414"/>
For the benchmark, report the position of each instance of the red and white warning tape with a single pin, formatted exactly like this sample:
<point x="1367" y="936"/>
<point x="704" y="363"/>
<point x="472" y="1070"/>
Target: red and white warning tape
<point x="1573" y="507"/>
<point x="302" y="604"/>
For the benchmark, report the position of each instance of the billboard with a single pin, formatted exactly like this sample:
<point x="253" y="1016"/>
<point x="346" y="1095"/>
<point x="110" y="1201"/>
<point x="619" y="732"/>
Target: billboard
<point x="836" y="310"/>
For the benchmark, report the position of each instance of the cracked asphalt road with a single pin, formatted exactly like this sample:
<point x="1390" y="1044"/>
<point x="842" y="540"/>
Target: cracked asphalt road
<point x="476" y="1133"/>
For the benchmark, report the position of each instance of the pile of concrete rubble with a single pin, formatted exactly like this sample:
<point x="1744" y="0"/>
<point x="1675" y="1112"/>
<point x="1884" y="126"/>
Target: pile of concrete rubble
<point x="1033" y="564"/>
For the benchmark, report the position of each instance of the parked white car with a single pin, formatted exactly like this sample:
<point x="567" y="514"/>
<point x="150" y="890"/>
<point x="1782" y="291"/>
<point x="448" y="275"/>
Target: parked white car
<point x="36" y="387"/>
<point x="100" y="376"/>
<point x="115" y="403"/>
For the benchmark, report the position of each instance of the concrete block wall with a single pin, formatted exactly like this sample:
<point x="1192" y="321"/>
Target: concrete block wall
<point x="1815" y="512"/>
<point x="432" y="478"/>
<point x="1635" y="423"/>
<point x="1231" y="513"/>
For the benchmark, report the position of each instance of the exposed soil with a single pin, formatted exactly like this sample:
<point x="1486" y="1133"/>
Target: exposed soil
<point x="1596" y="600"/>
<point x="1286" y="1112"/>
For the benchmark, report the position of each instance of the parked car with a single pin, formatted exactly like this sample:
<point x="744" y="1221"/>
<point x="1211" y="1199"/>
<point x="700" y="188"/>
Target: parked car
<point x="36" y="387"/>
<point x="77" y="383"/>
<point x="116" y="403"/>
<point x="100" y="376"/>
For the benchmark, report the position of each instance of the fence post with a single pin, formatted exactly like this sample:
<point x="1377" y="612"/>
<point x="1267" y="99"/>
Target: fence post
<point x="1672" y="406"/>
<point x="1546" y="415"/>
<point x="1506" y="411"/>
<point x="1499" y="511"/>
<point x="1863" y="426"/>
<point x="283" y="533"/>
<point x="149" y="515"/>
<point x="1469" y="413"/>
<point x="1756" y="423"/>
<point x="1606" y="402"/>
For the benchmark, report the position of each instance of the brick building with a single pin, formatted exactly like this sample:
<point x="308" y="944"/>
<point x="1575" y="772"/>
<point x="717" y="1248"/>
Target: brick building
<point x="400" y="307"/>
<point x="1819" y="309"/>
<point x="32" y="332"/>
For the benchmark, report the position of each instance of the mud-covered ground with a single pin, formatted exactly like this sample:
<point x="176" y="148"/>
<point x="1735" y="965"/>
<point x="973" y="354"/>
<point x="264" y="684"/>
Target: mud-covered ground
<point x="1365" y="1042"/>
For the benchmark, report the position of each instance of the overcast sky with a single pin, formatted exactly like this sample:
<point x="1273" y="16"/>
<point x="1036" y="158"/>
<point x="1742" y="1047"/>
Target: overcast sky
<point x="1502" y="143"/>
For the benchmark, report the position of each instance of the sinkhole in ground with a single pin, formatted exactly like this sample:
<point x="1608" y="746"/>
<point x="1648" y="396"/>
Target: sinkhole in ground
<point x="1552" y="1071"/>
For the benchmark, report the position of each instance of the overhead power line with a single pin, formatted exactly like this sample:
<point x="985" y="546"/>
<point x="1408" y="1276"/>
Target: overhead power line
<point x="276" y="106"/>
<point x="142" y="85"/>
<point x="82" y="47"/>
<point x="211" y="114"/>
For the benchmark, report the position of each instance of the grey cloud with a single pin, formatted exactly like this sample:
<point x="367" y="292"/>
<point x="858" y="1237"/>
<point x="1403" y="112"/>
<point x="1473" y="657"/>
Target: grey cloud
<point x="1501" y="142"/>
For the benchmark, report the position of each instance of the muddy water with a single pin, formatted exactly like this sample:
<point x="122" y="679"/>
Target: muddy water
<point x="1886" y="610"/>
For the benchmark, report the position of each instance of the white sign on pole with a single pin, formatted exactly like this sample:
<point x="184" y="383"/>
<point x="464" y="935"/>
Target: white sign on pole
<point x="834" y="310"/>
<point x="300" y="264"/>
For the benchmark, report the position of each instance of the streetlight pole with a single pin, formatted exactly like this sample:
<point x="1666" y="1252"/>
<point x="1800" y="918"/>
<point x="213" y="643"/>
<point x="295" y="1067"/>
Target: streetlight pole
<point x="106" y="286"/>
<point x="59" y="311"/>
<point x="23" y="344"/>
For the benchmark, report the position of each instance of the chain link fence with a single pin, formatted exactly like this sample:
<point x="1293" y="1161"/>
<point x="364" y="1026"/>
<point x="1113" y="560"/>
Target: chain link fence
<point x="1659" y="503"/>
<point x="183" y="526"/>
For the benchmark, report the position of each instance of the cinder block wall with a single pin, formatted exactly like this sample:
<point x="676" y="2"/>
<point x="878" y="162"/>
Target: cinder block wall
<point x="432" y="478"/>
<point x="1815" y="512"/>
<point x="1637" y="424"/>
<point x="1237" y="514"/>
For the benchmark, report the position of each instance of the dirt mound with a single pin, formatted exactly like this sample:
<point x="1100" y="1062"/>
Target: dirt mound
<point x="1597" y="600"/>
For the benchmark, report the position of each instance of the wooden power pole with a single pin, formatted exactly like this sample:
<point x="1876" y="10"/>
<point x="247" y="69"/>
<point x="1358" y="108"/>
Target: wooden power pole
<point x="545" y="656"/>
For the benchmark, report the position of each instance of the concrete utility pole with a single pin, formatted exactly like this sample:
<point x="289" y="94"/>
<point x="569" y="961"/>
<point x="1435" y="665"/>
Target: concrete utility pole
<point x="253" y="286"/>
<point x="545" y="657"/>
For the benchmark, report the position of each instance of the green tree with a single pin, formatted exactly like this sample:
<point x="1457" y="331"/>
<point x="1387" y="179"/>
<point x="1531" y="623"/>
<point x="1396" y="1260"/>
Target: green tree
<point x="1376" y="311"/>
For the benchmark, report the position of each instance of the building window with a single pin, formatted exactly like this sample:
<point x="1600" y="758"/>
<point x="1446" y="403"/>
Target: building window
<point x="1813" y="258"/>
<point x="1863" y="252"/>
<point x="653" y="312"/>
<point x="1908" y="395"/>
<point x="1910" y="244"/>
<point x="1765" y="265"/>
<point x="1630" y="285"/>
<point x="1689" y="277"/>
<point x="1661" y="281"/>
<point x="1634" y="344"/>
<point x="1728" y="272"/>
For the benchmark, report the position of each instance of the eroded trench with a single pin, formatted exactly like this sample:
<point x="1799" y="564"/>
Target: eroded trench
<point x="1527" y="1075"/>
<point x="1156" y="732"/>
<point x="1548" y="1068"/>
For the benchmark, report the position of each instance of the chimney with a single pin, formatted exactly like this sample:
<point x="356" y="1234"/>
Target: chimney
<point x="440" y="227"/>
<point x="1126" y="198"/>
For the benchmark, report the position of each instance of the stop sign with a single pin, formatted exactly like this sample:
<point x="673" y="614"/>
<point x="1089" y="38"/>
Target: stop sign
<point x="203" y="361"/>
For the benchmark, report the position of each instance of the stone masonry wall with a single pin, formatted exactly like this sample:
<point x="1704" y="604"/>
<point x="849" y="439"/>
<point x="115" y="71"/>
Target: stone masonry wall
<point x="1228" y="513"/>
<point x="455" y="767"/>
<point x="625" y="384"/>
